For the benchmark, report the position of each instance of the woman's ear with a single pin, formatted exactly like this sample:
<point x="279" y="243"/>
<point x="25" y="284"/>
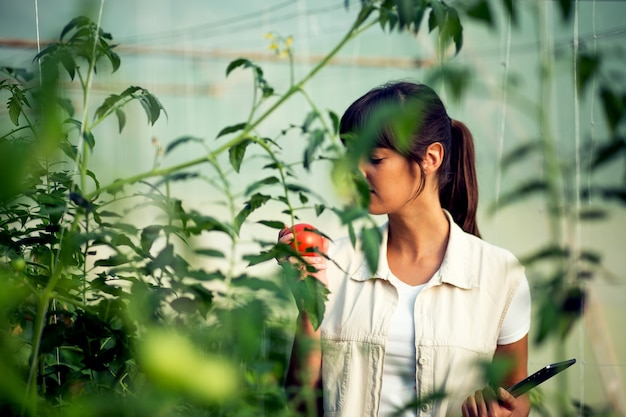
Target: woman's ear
<point x="433" y="158"/>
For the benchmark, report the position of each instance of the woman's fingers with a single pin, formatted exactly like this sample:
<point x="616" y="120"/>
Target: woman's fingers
<point x="285" y="239"/>
<point x="486" y="403"/>
<point x="318" y="262"/>
<point x="507" y="400"/>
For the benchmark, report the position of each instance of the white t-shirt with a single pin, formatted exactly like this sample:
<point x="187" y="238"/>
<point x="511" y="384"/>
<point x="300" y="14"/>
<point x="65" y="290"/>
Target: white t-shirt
<point x="398" y="387"/>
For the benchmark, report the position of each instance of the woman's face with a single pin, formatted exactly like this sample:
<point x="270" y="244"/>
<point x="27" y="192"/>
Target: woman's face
<point x="394" y="181"/>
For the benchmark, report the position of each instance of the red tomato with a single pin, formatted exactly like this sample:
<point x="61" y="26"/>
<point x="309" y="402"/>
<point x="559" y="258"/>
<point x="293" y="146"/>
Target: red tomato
<point x="305" y="240"/>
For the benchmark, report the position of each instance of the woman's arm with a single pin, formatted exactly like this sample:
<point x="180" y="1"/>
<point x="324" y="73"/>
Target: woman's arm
<point x="305" y="364"/>
<point x="486" y="402"/>
<point x="303" y="379"/>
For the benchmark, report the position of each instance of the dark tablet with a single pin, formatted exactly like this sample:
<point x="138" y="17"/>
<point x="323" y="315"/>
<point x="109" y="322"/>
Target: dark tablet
<point x="538" y="377"/>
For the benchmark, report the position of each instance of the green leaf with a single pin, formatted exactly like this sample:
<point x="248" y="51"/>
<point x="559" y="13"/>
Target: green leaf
<point x="436" y="16"/>
<point x="148" y="235"/>
<point x="311" y="117"/>
<point x="176" y="176"/>
<point x="237" y="152"/>
<point x="89" y="138"/>
<point x="549" y="253"/>
<point x="121" y="240"/>
<point x="587" y="67"/>
<point x="151" y="105"/>
<point x="447" y="19"/>
<point x="520" y="154"/>
<point x="121" y="119"/>
<point x="523" y="191"/>
<point x="231" y="129"/>
<point x="510" y="7"/>
<point x="184" y="305"/>
<point x="612" y="105"/>
<point x="68" y="62"/>
<point x="452" y="29"/>
<point x="335" y="119"/>
<point x="130" y="91"/>
<point x="74" y="23"/>
<point x="350" y="214"/>
<point x="257" y="284"/>
<point x="15" y="109"/>
<point x="113" y="260"/>
<point x="261" y="82"/>
<point x="214" y="253"/>
<point x="241" y="62"/>
<point x="69" y="150"/>
<point x="608" y="152"/>
<point x="297" y="188"/>
<point x="371" y="238"/>
<point x="261" y="257"/>
<point x="482" y="12"/>
<point x="388" y="18"/>
<point x="107" y="105"/>
<point x="177" y="142"/>
<point x="316" y="138"/>
<point x="164" y="259"/>
<point x="273" y="224"/>
<point x="456" y="79"/>
<point x="66" y="104"/>
<point x="310" y="295"/>
<point x="261" y="183"/>
<point x="204" y="223"/>
<point x="366" y="9"/>
<point x="255" y="201"/>
<point x="92" y="175"/>
<point x="612" y="193"/>
<point x="592" y="214"/>
<point x="405" y="13"/>
<point x="114" y="59"/>
<point x="566" y="7"/>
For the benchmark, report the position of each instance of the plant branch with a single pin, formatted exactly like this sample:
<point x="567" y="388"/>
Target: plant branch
<point x="354" y="31"/>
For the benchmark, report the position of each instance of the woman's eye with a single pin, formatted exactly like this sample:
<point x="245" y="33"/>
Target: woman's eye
<point x="375" y="161"/>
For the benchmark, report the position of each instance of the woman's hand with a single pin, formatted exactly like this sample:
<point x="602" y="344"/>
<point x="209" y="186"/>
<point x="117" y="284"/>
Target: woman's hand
<point x="486" y="403"/>
<point x="319" y="263"/>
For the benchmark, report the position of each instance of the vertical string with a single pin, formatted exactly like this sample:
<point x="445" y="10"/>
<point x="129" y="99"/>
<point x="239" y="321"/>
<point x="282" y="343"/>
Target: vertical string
<point x="53" y="318"/>
<point x="594" y="82"/>
<point x="37" y="35"/>
<point x="577" y="189"/>
<point x="500" y="145"/>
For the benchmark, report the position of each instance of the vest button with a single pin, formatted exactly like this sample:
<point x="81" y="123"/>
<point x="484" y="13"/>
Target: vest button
<point x="425" y="408"/>
<point x="423" y="361"/>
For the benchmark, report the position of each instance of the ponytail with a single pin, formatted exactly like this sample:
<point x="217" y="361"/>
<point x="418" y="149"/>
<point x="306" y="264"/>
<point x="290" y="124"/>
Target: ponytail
<point x="459" y="195"/>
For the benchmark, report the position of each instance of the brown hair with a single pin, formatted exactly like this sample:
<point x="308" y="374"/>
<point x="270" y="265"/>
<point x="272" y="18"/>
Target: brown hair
<point x="458" y="186"/>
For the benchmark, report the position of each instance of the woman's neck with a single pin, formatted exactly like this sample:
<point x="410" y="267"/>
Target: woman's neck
<point x="416" y="246"/>
<point x="421" y="234"/>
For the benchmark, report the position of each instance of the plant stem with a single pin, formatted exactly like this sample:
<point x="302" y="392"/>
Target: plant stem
<point x="352" y="33"/>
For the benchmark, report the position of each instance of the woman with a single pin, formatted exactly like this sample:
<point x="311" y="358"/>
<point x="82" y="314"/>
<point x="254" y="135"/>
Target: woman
<point x="441" y="302"/>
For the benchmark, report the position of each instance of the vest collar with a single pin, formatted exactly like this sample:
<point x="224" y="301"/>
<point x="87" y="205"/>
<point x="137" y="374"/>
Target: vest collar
<point x="454" y="269"/>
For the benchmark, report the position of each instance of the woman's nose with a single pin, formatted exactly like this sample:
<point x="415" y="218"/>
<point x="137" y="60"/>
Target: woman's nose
<point x="363" y="168"/>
